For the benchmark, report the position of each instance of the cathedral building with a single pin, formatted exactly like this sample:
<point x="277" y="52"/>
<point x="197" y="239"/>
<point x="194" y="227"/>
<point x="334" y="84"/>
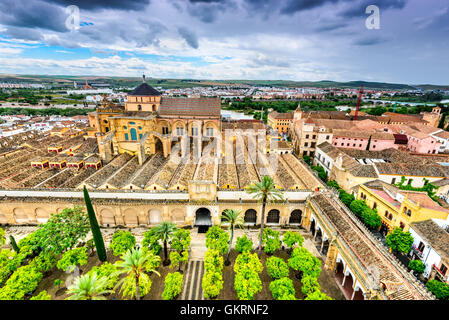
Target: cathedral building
<point x="149" y="123"/>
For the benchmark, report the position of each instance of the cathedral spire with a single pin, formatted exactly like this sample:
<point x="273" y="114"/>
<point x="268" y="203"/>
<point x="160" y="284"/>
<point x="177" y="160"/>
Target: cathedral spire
<point x="143" y="77"/>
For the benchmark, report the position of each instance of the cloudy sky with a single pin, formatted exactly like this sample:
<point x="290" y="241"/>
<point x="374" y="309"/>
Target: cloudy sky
<point x="228" y="39"/>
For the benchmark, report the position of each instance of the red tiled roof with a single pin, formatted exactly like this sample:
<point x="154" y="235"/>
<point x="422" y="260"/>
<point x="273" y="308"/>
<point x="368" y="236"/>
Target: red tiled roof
<point x="190" y="107"/>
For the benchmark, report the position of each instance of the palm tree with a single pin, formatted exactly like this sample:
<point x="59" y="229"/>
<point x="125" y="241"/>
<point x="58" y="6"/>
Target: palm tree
<point x="134" y="263"/>
<point x="164" y="231"/>
<point x="234" y="219"/>
<point x="264" y="191"/>
<point x="88" y="287"/>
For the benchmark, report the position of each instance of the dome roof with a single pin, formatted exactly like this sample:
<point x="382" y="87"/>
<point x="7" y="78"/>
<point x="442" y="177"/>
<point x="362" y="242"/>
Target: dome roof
<point x="144" y="90"/>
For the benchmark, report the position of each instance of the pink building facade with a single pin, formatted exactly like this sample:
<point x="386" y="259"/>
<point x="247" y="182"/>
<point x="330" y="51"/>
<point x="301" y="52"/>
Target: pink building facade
<point x="350" y="143"/>
<point x="423" y="145"/>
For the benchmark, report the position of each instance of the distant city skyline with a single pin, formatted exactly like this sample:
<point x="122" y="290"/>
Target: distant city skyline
<point x="300" y="40"/>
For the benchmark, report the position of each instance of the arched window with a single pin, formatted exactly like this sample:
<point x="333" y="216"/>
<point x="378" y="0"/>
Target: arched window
<point x="250" y="216"/>
<point x="273" y="216"/>
<point x="179" y="131"/>
<point x="133" y="134"/>
<point x="126" y="136"/>
<point x="409" y="212"/>
<point x="139" y="107"/>
<point x="209" y="132"/>
<point x="164" y="130"/>
<point x="295" y="217"/>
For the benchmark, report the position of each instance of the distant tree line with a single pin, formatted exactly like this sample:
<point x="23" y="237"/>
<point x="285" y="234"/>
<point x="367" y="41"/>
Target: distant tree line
<point x="69" y="112"/>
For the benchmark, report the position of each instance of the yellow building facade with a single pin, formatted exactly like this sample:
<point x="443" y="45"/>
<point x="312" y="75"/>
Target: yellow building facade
<point x="399" y="208"/>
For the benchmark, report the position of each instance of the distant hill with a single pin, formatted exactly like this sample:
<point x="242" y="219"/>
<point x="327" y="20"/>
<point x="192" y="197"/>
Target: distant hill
<point x="182" y="83"/>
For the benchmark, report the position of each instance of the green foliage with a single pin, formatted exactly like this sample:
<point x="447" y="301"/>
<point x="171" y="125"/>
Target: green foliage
<point x="345" y="197"/>
<point x="428" y="187"/>
<point x="217" y="238"/>
<point x="264" y="191"/>
<point x="9" y="262"/>
<point x="96" y="232"/>
<point x="291" y="238"/>
<point x="399" y="241"/>
<point x="44" y="262"/>
<point x="72" y="258"/>
<point x="317" y="295"/>
<point x="134" y="263"/>
<point x="271" y="241"/>
<point x="213" y="261"/>
<point x="247" y="284"/>
<point x="180" y="240"/>
<point x="88" y="287"/>
<point x="248" y="261"/>
<point x="212" y="284"/>
<point x="178" y="259"/>
<point x="164" y="231"/>
<point x="2" y="237"/>
<point x="24" y="280"/>
<point x="357" y="206"/>
<point x="243" y="244"/>
<point x="173" y="285"/>
<point x="151" y="240"/>
<point x="43" y="295"/>
<point x="282" y="289"/>
<point x="14" y="244"/>
<point x="90" y="245"/>
<point x="277" y="268"/>
<point x="122" y="241"/>
<point x="57" y="282"/>
<point x="63" y="230"/>
<point x="322" y="174"/>
<point x="439" y="289"/>
<point x="309" y="284"/>
<point x="45" y="112"/>
<point x="333" y="184"/>
<point x="109" y="272"/>
<point x="417" y="265"/>
<point x="303" y="260"/>
<point x="307" y="159"/>
<point x="212" y="281"/>
<point x="371" y="218"/>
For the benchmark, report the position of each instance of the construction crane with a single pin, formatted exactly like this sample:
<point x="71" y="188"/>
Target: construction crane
<point x="359" y="99"/>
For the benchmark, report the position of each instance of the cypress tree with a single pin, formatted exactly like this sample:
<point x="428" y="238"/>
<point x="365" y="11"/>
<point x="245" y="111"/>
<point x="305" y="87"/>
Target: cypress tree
<point x="98" y="238"/>
<point x="14" y="244"/>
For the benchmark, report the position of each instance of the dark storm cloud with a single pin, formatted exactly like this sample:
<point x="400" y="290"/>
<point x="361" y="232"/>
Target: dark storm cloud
<point x="357" y="8"/>
<point x="141" y="32"/>
<point x="32" y="14"/>
<point x="24" y="33"/>
<point x="331" y="26"/>
<point x="206" y="11"/>
<point x="189" y="37"/>
<point x="292" y="6"/>
<point x="369" y="41"/>
<point x="104" y="4"/>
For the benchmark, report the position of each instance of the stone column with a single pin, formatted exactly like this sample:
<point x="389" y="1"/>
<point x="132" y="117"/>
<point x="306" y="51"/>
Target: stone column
<point x="331" y="257"/>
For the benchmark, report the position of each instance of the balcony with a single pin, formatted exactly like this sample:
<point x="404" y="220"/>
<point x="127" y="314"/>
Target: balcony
<point x="417" y="252"/>
<point x="440" y="274"/>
